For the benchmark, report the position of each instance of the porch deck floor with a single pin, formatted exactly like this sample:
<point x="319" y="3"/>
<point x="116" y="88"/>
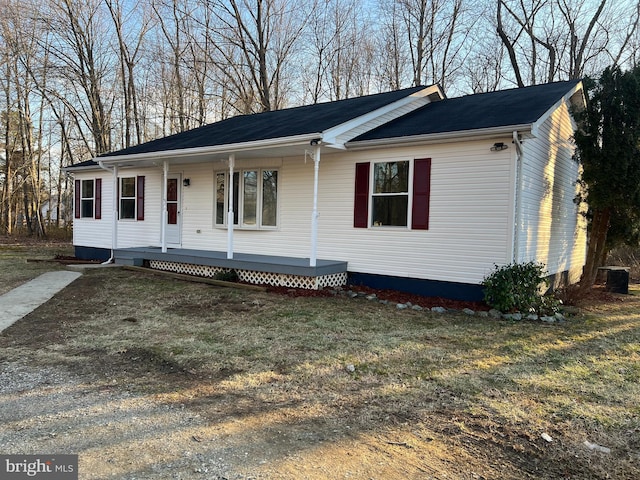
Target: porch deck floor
<point x="240" y="261"/>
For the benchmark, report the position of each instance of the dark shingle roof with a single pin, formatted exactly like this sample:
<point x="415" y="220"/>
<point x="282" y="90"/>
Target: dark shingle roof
<point x="518" y="106"/>
<point x="86" y="163"/>
<point x="276" y="124"/>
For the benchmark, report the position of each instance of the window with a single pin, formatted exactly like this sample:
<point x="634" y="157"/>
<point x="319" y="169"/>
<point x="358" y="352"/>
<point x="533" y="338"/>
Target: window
<point x="131" y="198"/>
<point x="128" y="198"/>
<point x="88" y="198"/>
<point x="395" y="200"/>
<point x="390" y="194"/>
<point x="255" y="198"/>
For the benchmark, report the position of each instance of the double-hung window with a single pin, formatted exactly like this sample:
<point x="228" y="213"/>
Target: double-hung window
<point x="392" y="193"/>
<point x="88" y="198"/>
<point x="131" y="198"/>
<point x="254" y="193"/>
<point x="128" y="198"/>
<point x="390" y="196"/>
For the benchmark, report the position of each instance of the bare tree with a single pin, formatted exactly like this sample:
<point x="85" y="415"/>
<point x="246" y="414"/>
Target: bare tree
<point x="80" y="52"/>
<point x="390" y="46"/>
<point x="451" y="39"/>
<point x="130" y="33"/>
<point x="256" y="38"/>
<point x="322" y="33"/>
<point x="174" y="17"/>
<point x="549" y="40"/>
<point x="434" y="34"/>
<point x="23" y="143"/>
<point x="483" y="70"/>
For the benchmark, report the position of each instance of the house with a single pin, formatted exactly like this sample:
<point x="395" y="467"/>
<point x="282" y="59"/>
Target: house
<point x="407" y="190"/>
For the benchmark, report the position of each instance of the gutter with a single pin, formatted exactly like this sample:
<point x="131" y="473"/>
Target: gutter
<point x="213" y="150"/>
<point x="72" y="168"/>
<point x="114" y="227"/>
<point x="427" y="138"/>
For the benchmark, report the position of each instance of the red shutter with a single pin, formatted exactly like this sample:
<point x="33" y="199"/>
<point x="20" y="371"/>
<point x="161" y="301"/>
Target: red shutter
<point x="140" y="197"/>
<point x="421" y="193"/>
<point x="77" y="199"/>
<point x="361" y="201"/>
<point x="98" y="199"/>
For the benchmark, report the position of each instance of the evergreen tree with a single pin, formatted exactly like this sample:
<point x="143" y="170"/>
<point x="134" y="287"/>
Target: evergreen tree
<point x="608" y="141"/>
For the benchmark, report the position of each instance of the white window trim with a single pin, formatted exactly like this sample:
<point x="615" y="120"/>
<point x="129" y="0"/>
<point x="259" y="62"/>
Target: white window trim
<point x="409" y="193"/>
<point x="238" y="204"/>
<point x="92" y="198"/>
<point x="134" y="198"/>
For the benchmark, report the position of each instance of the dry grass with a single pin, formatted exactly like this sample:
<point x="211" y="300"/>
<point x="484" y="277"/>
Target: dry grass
<point x="14" y="267"/>
<point x="474" y="393"/>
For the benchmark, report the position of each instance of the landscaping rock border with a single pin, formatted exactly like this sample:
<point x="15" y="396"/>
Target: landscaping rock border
<point x="493" y="313"/>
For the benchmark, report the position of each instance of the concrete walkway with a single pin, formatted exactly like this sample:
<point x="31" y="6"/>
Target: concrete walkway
<point x="27" y="297"/>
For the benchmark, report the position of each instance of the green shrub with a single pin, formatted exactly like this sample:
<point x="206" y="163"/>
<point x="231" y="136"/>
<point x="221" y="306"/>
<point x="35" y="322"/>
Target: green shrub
<point x="518" y="287"/>
<point x="227" y="276"/>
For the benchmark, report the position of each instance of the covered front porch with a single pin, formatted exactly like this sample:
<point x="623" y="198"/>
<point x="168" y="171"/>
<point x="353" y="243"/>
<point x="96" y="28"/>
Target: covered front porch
<point x="251" y="268"/>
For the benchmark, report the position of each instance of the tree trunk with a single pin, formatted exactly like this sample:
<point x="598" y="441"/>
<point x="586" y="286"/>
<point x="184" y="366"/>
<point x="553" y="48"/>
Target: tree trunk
<point x="596" y="248"/>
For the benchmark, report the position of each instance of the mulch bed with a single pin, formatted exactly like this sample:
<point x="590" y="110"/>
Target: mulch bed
<point x="65" y="260"/>
<point x="392" y="296"/>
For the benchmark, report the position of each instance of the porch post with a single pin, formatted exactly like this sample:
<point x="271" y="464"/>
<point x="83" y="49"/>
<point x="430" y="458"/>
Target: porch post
<point x="165" y="214"/>
<point x="114" y="219"/>
<point x="314" y="214"/>
<point x="232" y="159"/>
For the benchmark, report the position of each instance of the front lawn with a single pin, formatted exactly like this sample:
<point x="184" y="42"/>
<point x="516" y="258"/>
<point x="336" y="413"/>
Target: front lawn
<point x="297" y="387"/>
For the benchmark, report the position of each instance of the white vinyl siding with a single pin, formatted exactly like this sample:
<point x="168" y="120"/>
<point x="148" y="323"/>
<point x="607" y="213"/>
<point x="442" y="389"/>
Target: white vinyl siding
<point x="552" y="230"/>
<point x="472" y="205"/>
<point x="470" y="224"/>
<point x="470" y="216"/>
<point x="130" y="234"/>
<point x="470" y="227"/>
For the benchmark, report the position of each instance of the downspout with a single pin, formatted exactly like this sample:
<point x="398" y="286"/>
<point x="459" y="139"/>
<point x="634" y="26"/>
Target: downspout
<point x="114" y="214"/>
<point x="519" y="186"/>
<point x="314" y="213"/>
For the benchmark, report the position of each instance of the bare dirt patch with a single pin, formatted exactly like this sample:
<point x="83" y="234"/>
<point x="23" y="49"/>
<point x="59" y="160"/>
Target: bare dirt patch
<point x="149" y="377"/>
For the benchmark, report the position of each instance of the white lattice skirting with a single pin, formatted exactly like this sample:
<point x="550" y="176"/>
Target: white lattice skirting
<point x="254" y="277"/>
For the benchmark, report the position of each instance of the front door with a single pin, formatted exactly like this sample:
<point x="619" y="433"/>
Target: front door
<point x="173" y="211"/>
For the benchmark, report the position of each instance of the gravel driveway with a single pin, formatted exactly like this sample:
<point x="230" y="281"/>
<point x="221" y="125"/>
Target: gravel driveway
<point x="119" y="435"/>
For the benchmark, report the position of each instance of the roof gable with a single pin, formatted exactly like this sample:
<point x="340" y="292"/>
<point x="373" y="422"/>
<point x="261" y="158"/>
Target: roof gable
<point x="342" y="133"/>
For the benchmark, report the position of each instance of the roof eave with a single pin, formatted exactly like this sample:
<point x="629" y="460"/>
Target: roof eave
<point x="441" y="137"/>
<point x="232" y="148"/>
<point x="73" y="168"/>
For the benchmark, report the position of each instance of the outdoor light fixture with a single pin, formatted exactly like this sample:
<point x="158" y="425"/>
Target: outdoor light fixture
<point x="499" y="146"/>
<point x="186" y="182"/>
